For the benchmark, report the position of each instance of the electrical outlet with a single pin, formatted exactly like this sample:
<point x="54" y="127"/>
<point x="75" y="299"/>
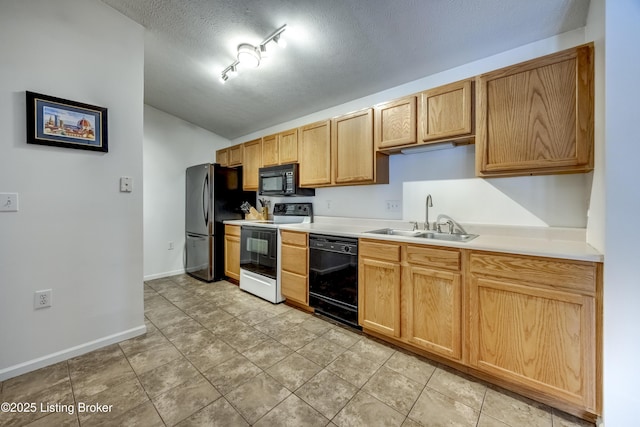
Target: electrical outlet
<point x="393" y="205"/>
<point x="329" y="205"/>
<point x="42" y="299"/>
<point x="170" y="246"/>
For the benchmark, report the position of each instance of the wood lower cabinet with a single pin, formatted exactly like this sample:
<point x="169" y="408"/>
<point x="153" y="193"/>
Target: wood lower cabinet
<point x="294" y="252"/>
<point x="251" y="164"/>
<point x="445" y="112"/>
<point x="379" y="287"/>
<point x="412" y="294"/>
<point x="432" y="292"/>
<point x="537" y="117"/>
<point x="232" y="251"/>
<point x="531" y="327"/>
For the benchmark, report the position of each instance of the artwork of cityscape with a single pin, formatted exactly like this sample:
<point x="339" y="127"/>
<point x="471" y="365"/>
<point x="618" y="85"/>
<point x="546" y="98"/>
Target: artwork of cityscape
<point x="63" y="123"/>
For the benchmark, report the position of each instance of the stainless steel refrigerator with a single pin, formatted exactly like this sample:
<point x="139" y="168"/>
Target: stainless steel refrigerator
<point x="213" y="194"/>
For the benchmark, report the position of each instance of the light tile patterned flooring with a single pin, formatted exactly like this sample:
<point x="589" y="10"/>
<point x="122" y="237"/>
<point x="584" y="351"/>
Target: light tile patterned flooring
<point x="216" y="356"/>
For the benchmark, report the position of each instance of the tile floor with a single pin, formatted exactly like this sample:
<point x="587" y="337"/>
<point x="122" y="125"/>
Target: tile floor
<point x="216" y="356"/>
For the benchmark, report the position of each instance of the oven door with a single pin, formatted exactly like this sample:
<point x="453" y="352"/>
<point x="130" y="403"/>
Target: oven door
<point x="259" y="250"/>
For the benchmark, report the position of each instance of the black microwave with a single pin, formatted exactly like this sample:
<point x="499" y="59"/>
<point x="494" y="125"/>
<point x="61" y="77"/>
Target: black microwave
<point x="281" y="181"/>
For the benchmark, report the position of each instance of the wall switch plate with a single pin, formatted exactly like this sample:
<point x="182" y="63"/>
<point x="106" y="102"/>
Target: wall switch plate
<point x="42" y="299"/>
<point x="171" y="246"/>
<point x="126" y="184"/>
<point x="8" y="202"/>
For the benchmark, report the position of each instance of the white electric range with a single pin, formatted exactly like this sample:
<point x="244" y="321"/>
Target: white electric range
<point x="260" y="250"/>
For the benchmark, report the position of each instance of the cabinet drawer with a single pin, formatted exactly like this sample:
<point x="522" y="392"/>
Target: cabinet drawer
<point x="432" y="257"/>
<point x="294" y="238"/>
<point x="294" y="287"/>
<point x="378" y="250"/>
<point x="294" y="259"/>
<point x="557" y="273"/>
<point x="231" y="230"/>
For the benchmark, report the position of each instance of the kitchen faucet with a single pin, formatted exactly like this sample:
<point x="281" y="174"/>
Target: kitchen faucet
<point x="428" y="204"/>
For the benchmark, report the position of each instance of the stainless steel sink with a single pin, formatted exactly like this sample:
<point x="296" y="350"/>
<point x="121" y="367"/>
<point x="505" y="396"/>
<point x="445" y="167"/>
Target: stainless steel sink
<point x="397" y="232"/>
<point x="454" y="237"/>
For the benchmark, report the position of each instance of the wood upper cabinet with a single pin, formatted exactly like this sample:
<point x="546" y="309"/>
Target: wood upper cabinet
<point x="532" y="327"/>
<point x="270" y="150"/>
<point x="432" y="292"/>
<point x="354" y="158"/>
<point x="315" y="154"/>
<point x="232" y="251"/>
<point x="251" y="164"/>
<point x="295" y="266"/>
<point x="288" y="146"/>
<point x="236" y="155"/>
<point x="222" y="157"/>
<point x="395" y="123"/>
<point x="280" y="148"/>
<point x="445" y="112"/>
<point x="537" y="117"/>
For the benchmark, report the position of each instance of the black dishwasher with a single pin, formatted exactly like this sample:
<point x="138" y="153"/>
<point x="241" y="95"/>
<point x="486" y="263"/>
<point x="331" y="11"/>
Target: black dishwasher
<point x="333" y="277"/>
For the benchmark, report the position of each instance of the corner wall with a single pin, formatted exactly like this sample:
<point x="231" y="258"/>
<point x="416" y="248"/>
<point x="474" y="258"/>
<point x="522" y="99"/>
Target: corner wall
<point x="74" y="233"/>
<point x="170" y="146"/>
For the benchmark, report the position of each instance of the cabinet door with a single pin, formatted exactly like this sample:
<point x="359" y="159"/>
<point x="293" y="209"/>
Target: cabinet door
<point x="222" y="157"/>
<point x="315" y="154"/>
<point x="288" y="146"/>
<point x="541" y="338"/>
<point x="445" y="112"/>
<point x="352" y="146"/>
<point x="395" y="123"/>
<point x="270" y="150"/>
<point x="434" y="311"/>
<point x="235" y="155"/>
<point x="232" y="257"/>
<point x="537" y="116"/>
<point x="251" y="164"/>
<point x="379" y="296"/>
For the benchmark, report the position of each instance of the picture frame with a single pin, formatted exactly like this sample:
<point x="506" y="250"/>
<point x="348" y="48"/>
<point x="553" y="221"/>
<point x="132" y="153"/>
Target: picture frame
<point x="63" y="123"/>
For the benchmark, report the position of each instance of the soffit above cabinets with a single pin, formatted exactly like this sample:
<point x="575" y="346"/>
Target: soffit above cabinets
<point x="338" y="50"/>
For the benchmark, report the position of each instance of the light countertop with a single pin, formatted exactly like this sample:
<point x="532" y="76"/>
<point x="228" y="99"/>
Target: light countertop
<point x="550" y="242"/>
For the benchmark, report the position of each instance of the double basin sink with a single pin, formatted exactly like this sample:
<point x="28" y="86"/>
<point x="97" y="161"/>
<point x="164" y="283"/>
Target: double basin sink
<point x="425" y="234"/>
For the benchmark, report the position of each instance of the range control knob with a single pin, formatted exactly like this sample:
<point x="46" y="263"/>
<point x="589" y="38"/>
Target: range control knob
<point x="346" y="249"/>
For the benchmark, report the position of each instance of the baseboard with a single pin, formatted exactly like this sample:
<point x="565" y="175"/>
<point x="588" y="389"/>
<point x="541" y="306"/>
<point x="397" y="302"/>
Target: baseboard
<point x="163" y="275"/>
<point x="50" y="359"/>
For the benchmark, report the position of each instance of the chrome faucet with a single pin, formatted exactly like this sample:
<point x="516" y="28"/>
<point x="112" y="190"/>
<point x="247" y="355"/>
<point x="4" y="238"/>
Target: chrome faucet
<point x="428" y="204"/>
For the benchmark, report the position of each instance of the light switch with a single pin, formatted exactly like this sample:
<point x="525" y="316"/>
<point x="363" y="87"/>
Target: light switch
<point x="126" y="184"/>
<point x="8" y="202"/>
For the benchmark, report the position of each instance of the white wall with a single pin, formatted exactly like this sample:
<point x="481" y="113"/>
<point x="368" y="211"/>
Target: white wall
<point x="170" y="146"/>
<point x="75" y="233"/>
<point x="622" y="175"/>
<point x="559" y="200"/>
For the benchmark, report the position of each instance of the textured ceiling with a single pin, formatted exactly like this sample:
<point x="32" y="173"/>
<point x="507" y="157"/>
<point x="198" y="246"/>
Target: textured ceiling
<point x="338" y="50"/>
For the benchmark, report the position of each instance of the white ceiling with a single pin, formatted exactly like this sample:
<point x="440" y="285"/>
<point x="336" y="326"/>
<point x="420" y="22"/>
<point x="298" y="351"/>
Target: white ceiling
<point x="338" y="50"/>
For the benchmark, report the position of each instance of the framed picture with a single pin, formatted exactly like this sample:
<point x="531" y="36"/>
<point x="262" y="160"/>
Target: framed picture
<point x="64" y="123"/>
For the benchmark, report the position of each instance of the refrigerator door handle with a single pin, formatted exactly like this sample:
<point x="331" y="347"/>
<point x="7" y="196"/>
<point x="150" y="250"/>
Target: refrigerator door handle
<point x="205" y="204"/>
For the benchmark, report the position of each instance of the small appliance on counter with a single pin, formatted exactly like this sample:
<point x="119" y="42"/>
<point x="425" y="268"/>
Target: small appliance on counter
<point x="260" y="247"/>
<point x="282" y="181"/>
<point x="213" y="194"/>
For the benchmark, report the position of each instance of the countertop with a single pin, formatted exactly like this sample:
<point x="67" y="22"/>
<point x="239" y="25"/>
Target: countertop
<point x="550" y="242"/>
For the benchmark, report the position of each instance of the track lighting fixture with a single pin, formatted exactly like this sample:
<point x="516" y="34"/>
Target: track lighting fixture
<point x="249" y="56"/>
